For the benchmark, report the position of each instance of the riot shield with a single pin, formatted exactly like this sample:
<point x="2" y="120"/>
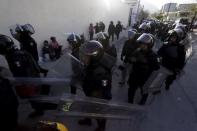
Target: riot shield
<point x="81" y="106"/>
<point x="156" y="80"/>
<point x="71" y="108"/>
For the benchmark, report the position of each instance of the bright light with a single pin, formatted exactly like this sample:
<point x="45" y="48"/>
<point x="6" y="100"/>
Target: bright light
<point x="123" y="1"/>
<point x="108" y="4"/>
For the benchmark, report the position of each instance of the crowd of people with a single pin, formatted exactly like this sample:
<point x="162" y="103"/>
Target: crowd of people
<point x="94" y="63"/>
<point x="100" y="27"/>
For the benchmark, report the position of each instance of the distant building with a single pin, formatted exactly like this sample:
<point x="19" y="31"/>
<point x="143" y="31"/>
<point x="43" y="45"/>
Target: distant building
<point x="186" y="7"/>
<point x="172" y="12"/>
<point x="169" y="7"/>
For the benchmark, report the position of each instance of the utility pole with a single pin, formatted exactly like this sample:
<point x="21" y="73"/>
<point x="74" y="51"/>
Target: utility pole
<point x="138" y="6"/>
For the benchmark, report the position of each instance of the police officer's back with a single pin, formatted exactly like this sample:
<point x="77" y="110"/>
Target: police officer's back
<point x="129" y="46"/>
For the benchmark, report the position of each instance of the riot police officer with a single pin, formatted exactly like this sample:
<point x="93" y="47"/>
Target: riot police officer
<point x="144" y="28"/>
<point x="21" y="64"/>
<point x="98" y="77"/>
<point x="103" y="38"/>
<point x="144" y="62"/>
<point x="74" y="42"/>
<point x="173" y="55"/>
<point x="27" y="43"/>
<point x="129" y="46"/>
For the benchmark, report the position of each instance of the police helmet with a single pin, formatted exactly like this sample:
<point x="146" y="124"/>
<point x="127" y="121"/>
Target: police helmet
<point x="100" y="36"/>
<point x="177" y="33"/>
<point x="146" y="39"/>
<point x="15" y="29"/>
<point x="183" y="28"/>
<point x="28" y="28"/>
<point x="144" y="28"/>
<point x="91" y="52"/>
<point x="131" y="34"/>
<point x="73" y="38"/>
<point x="6" y="43"/>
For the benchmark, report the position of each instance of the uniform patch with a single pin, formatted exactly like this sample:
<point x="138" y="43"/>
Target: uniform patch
<point x="104" y="82"/>
<point x="18" y="64"/>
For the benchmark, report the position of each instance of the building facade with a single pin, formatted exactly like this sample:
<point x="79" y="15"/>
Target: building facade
<point x="171" y="13"/>
<point x="60" y="17"/>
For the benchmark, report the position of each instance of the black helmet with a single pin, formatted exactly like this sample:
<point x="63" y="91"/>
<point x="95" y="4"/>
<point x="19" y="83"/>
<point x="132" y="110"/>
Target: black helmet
<point x="91" y="52"/>
<point x="177" y="33"/>
<point x="183" y="28"/>
<point x="73" y="38"/>
<point x="144" y="28"/>
<point x="28" y="28"/>
<point x="146" y="39"/>
<point x="131" y="34"/>
<point x="15" y="30"/>
<point x="6" y="43"/>
<point x="100" y="36"/>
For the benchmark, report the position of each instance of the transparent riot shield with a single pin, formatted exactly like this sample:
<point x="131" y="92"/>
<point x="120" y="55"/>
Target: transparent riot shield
<point x="74" y="108"/>
<point x="60" y="68"/>
<point x="81" y="106"/>
<point x="59" y="106"/>
<point x="69" y="109"/>
<point x="156" y="80"/>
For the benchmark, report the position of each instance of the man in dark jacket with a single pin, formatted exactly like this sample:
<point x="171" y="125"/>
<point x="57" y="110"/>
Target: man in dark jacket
<point x="118" y="29"/>
<point x="144" y="62"/>
<point x="111" y="30"/>
<point x="173" y="55"/>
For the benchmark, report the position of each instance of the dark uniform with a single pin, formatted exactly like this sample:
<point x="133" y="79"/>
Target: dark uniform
<point x="110" y="49"/>
<point x="129" y="47"/>
<point x="173" y="56"/>
<point x="75" y="42"/>
<point x="22" y="64"/>
<point x="27" y="43"/>
<point x="118" y="29"/>
<point x="9" y="103"/>
<point x="111" y="30"/>
<point x="97" y="78"/>
<point x="144" y="62"/>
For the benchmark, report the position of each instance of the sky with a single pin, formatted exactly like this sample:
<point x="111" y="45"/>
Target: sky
<point x="153" y="5"/>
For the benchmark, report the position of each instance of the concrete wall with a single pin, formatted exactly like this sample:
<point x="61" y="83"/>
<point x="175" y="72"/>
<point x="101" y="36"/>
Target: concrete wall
<point x="56" y="17"/>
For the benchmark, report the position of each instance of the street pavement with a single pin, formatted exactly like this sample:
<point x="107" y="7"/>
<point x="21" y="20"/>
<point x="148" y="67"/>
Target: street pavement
<point x="173" y="110"/>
